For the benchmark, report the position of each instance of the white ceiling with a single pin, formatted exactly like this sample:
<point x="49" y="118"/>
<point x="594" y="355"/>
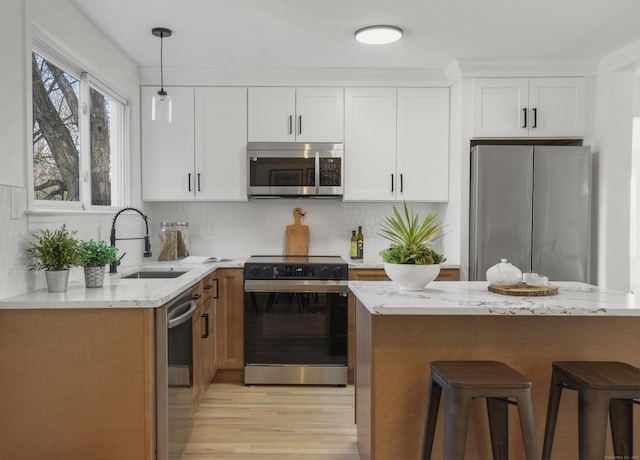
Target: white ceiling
<point x="318" y="34"/>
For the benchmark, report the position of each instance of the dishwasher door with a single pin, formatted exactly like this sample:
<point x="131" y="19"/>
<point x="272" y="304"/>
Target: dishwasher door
<point x="174" y="379"/>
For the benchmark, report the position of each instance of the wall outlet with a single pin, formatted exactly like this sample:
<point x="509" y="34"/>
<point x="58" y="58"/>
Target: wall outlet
<point x="212" y="227"/>
<point x="17" y="203"/>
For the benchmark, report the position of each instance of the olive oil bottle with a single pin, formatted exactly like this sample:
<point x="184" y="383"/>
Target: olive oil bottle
<point x="354" y="245"/>
<point x="360" y="243"/>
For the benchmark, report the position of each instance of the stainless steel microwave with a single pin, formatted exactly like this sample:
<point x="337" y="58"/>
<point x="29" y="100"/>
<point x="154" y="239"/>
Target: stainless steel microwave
<point x="292" y="169"/>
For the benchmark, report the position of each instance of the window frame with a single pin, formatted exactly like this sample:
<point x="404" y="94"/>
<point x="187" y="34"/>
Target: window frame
<point x="120" y="156"/>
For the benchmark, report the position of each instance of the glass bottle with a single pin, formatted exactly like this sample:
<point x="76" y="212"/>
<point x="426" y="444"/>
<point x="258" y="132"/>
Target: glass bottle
<point x="360" y="243"/>
<point x="183" y="239"/>
<point x="354" y="245"/>
<point x="168" y="242"/>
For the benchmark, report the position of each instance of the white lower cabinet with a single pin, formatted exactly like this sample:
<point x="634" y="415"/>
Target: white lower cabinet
<point x="201" y="154"/>
<point x="396" y="144"/>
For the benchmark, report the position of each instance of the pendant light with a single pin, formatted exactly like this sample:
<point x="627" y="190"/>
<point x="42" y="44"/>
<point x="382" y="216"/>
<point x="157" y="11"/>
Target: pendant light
<point x="161" y="103"/>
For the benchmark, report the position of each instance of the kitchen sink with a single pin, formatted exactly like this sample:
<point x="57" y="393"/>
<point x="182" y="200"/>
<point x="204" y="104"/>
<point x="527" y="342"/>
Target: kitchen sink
<point x="149" y="274"/>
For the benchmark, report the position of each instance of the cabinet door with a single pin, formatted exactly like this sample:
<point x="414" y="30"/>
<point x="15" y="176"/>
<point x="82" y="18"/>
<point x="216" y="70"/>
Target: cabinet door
<point x="319" y="115"/>
<point x="500" y="107"/>
<point x="557" y="107"/>
<point x="271" y="114"/>
<point x="167" y="148"/>
<point x="220" y="144"/>
<point x="423" y="144"/>
<point x="230" y="320"/>
<point x="370" y="144"/>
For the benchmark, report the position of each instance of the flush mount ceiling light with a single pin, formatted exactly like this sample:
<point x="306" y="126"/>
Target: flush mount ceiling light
<point x="161" y="103"/>
<point x="378" y="35"/>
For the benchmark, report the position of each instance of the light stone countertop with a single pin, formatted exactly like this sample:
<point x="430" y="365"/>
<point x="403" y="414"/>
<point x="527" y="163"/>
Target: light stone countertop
<point x="369" y="264"/>
<point x="118" y="292"/>
<point x="473" y="298"/>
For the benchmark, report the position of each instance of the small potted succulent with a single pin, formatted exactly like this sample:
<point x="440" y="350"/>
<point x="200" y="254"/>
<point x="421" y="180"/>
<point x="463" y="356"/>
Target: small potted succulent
<point x="410" y="261"/>
<point x="55" y="252"/>
<point x="94" y="255"/>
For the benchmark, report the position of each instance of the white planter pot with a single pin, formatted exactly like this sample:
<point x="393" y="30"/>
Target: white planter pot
<point x="94" y="276"/>
<point x="57" y="280"/>
<point x="412" y="277"/>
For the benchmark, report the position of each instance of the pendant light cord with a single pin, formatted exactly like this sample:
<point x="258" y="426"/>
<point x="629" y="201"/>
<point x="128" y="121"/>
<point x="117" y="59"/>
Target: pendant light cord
<point x="161" y="66"/>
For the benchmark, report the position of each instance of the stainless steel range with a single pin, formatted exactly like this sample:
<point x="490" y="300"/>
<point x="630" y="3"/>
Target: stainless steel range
<point x="295" y="320"/>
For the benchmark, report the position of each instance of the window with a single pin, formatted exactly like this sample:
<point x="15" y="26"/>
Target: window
<point x="78" y="138"/>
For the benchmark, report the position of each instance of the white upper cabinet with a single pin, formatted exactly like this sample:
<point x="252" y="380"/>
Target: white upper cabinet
<point x="167" y="148"/>
<point x="396" y="144"/>
<point x="201" y="154"/>
<point x="296" y="115"/>
<point x="220" y="144"/>
<point x="529" y="107"/>
<point x="423" y="144"/>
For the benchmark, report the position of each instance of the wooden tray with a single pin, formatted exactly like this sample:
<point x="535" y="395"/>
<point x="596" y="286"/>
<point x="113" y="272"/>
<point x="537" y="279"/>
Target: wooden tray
<point x="525" y="290"/>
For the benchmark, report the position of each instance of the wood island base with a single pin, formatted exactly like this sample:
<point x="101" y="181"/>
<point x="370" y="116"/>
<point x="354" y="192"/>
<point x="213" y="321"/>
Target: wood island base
<point x="393" y="353"/>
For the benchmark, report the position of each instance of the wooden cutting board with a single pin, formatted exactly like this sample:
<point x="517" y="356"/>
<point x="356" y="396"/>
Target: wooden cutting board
<point x="525" y="290"/>
<point x="298" y="236"/>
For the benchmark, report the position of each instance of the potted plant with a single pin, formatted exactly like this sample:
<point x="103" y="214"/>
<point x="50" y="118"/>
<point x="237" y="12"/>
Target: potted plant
<point x="55" y="252"/>
<point x="94" y="255"/>
<point x="410" y="261"/>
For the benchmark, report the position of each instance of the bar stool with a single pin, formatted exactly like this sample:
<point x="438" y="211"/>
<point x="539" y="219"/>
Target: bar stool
<point x="604" y="388"/>
<point x="465" y="380"/>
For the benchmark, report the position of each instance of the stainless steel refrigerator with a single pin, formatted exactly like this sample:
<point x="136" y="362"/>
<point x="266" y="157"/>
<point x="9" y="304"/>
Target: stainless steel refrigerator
<point x="530" y="205"/>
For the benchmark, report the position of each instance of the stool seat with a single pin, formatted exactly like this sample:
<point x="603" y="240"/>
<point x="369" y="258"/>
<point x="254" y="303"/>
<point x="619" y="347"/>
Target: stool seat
<point x="465" y="380"/>
<point x="601" y="375"/>
<point x="604" y="388"/>
<point x="479" y="374"/>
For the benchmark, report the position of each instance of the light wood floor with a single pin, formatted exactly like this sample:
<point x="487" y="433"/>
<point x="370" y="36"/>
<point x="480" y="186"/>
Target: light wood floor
<point x="235" y="422"/>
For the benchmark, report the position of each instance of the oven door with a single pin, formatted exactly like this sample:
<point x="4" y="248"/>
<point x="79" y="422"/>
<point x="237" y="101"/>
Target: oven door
<point x="295" y="337"/>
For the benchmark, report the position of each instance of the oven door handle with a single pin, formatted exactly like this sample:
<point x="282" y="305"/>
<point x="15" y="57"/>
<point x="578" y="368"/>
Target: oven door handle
<point x="180" y="314"/>
<point x="329" y="286"/>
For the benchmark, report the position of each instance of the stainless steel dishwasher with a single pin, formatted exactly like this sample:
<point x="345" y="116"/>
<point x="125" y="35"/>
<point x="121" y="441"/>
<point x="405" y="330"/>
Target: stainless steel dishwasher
<point x="174" y="380"/>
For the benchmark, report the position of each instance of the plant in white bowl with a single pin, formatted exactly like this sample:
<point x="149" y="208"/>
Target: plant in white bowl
<point x="410" y="261"/>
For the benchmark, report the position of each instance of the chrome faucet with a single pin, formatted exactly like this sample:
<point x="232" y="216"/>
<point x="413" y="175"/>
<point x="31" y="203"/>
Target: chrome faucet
<point x="113" y="267"/>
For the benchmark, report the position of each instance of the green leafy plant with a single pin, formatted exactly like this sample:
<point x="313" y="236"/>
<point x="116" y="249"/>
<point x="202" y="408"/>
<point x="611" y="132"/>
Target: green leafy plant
<point x="54" y="250"/>
<point x="410" y="238"/>
<point x="97" y="253"/>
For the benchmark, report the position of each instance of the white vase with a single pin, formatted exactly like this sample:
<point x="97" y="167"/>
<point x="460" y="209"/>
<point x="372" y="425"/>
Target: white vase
<point x="94" y="276"/>
<point x="57" y="280"/>
<point x="412" y="277"/>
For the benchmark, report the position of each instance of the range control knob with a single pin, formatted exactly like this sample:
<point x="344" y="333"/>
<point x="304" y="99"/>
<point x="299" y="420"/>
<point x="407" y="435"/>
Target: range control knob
<point x="324" y="271"/>
<point x="254" y="271"/>
<point x="268" y="271"/>
<point x="337" y="272"/>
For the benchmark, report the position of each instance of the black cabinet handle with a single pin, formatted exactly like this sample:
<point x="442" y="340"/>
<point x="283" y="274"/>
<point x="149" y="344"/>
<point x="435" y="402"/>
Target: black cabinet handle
<point x="525" y="118"/>
<point x="199" y="182"/>
<point x="290" y="124"/>
<point x="206" y="326"/>
<point x="216" y="296"/>
<point x="189" y="180"/>
<point x="208" y="286"/>
<point x="535" y="118"/>
<point x="196" y="297"/>
<point x="401" y="183"/>
<point x="299" y="124"/>
<point x="391" y="182"/>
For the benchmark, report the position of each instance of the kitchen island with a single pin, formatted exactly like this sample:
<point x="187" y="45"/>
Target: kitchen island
<point x="398" y="333"/>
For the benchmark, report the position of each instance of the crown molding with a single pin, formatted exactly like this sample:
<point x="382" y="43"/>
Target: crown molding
<point x="538" y="68"/>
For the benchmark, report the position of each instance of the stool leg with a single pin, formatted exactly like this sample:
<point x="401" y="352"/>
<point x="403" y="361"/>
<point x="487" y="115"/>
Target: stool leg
<point x="433" y="404"/>
<point x="498" y="412"/>
<point x="456" y="421"/>
<point x="527" y="425"/>
<point x="621" y="416"/>
<point x="593" y="409"/>
<point x="555" y="391"/>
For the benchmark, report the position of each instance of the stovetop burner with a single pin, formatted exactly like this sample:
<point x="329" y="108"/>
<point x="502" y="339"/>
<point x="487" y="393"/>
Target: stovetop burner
<point x="296" y="267"/>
